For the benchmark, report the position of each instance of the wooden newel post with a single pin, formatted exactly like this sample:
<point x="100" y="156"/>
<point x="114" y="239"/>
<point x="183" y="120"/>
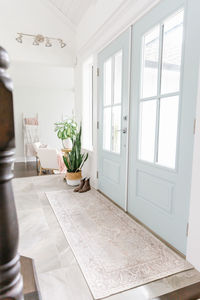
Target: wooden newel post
<point x="11" y="285"/>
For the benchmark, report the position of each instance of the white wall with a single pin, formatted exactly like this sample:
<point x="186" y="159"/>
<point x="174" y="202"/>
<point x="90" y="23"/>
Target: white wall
<point x="35" y="17"/>
<point x="42" y="89"/>
<point x="193" y="246"/>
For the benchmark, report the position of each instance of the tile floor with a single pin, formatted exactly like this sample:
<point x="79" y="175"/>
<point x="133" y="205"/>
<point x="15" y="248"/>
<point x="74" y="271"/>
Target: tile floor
<point x="41" y="238"/>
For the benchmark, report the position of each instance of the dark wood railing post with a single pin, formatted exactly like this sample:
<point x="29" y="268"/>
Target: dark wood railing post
<point x="11" y="285"/>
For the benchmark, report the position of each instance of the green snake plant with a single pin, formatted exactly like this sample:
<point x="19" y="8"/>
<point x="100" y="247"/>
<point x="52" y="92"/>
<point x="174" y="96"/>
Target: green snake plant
<point x="74" y="160"/>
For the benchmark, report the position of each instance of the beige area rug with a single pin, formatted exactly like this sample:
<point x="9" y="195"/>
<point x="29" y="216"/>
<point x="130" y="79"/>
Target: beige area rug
<point x="114" y="252"/>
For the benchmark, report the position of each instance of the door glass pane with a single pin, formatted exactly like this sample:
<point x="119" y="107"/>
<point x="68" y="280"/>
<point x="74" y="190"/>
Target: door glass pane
<point x="172" y="50"/>
<point x="150" y="63"/>
<point x="147" y="130"/>
<point x="107" y="129"/>
<point x="168" y="131"/>
<point x="107" y="82"/>
<point x="116" y="128"/>
<point x="118" y="78"/>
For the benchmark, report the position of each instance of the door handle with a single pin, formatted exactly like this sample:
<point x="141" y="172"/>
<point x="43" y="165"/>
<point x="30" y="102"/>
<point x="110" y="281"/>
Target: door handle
<point x="124" y="130"/>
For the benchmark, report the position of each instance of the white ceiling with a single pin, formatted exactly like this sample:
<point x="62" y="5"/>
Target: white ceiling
<point x="72" y="9"/>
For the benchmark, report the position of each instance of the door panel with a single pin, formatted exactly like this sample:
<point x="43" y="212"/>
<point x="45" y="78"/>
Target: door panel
<point x="113" y="64"/>
<point x="163" y="100"/>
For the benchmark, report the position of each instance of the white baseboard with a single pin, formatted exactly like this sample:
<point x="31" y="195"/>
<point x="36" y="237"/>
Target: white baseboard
<point x="94" y="184"/>
<point x="22" y="159"/>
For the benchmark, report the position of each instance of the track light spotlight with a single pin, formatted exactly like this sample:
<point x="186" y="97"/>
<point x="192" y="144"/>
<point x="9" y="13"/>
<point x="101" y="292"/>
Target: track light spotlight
<point x="35" y="42"/>
<point x="19" y="38"/>
<point x="62" y="44"/>
<point x="48" y="43"/>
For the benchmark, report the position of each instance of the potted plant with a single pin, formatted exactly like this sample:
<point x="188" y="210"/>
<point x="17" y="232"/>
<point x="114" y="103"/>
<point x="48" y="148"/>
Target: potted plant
<point x="74" y="161"/>
<point x="66" y="131"/>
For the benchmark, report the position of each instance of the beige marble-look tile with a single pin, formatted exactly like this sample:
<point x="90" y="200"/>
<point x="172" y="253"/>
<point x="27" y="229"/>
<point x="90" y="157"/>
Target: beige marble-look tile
<point x="49" y="182"/>
<point x="50" y="218"/>
<point x="45" y="255"/>
<point x="28" y="200"/>
<point x="67" y="258"/>
<point x="64" y="284"/>
<point x="173" y="282"/>
<point x="23" y="185"/>
<point x="59" y="239"/>
<point x="43" y="199"/>
<point x="159" y="287"/>
<point x="32" y="227"/>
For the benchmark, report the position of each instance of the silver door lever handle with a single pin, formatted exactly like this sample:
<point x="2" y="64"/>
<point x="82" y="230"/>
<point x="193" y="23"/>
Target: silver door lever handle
<point x="124" y="130"/>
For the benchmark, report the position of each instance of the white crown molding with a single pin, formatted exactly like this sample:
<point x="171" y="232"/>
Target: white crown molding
<point x="123" y="17"/>
<point x="60" y="14"/>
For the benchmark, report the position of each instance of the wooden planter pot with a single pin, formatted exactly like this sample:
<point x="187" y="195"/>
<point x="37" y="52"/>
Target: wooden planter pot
<point x="73" y="178"/>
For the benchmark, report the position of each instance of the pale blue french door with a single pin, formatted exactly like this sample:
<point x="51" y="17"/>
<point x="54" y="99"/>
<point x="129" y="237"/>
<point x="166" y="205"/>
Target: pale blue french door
<point x="113" y="88"/>
<point x="165" y="61"/>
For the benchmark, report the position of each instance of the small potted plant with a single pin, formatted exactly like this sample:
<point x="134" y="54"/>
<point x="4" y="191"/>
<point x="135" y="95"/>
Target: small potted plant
<point x="74" y="161"/>
<point x="66" y="131"/>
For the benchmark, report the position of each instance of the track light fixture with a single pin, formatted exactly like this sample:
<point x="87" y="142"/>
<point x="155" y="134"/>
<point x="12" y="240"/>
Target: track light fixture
<point x="39" y="39"/>
<point x="48" y="43"/>
<point x="35" y="42"/>
<point x="19" y="38"/>
<point x="62" y="44"/>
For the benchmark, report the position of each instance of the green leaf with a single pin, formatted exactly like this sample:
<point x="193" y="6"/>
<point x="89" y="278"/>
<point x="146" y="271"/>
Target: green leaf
<point x="66" y="163"/>
<point x="59" y="134"/>
<point x="68" y="129"/>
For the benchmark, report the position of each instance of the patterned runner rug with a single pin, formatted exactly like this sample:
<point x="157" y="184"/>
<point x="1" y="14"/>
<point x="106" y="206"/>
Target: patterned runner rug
<point x="114" y="252"/>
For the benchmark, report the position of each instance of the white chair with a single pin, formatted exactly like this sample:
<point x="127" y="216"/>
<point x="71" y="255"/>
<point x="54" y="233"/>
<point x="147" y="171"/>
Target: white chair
<point x="48" y="159"/>
<point x="36" y="146"/>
